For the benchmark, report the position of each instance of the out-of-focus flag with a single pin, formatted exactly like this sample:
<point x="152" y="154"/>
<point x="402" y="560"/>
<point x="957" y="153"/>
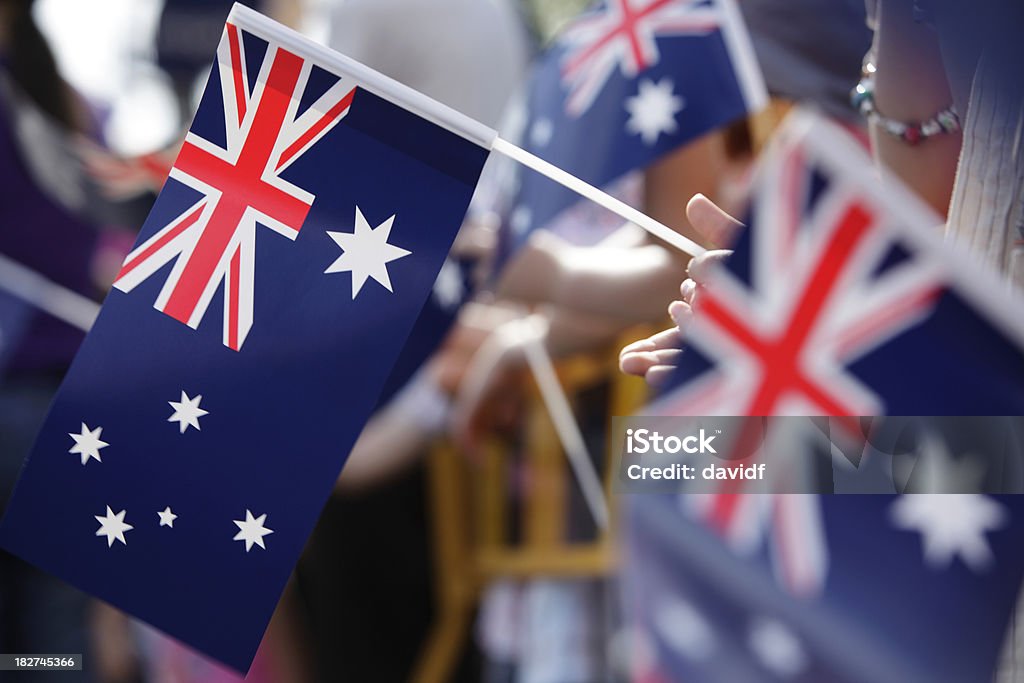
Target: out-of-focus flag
<point x="841" y="299"/>
<point x="202" y="425"/>
<point x="915" y="589"/>
<point x="622" y="85"/>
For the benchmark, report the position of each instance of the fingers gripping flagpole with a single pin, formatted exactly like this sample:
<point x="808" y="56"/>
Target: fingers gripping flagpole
<point x="60" y="302"/>
<point x="659" y="230"/>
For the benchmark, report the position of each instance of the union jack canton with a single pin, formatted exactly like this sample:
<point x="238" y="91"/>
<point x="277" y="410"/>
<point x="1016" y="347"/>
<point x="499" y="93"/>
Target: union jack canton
<point x="213" y="242"/>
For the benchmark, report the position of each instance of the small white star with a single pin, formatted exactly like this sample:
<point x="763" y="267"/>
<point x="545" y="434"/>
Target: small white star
<point x="113" y="526"/>
<point x="652" y="111"/>
<point x="684" y="629"/>
<point x="520" y="220"/>
<point x="187" y="412"/>
<point x="88" y="443"/>
<point x="366" y="253"/>
<point x="541" y="132"/>
<point x="167" y="517"/>
<point x="777" y="648"/>
<point x="449" y="287"/>
<point x="252" y="530"/>
<point x="951" y="525"/>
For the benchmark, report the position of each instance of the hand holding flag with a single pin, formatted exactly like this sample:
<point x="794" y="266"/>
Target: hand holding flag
<point x="185" y="459"/>
<point x="655" y="358"/>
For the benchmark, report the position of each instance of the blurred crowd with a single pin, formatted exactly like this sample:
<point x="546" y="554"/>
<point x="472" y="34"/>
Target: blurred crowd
<point x="457" y="545"/>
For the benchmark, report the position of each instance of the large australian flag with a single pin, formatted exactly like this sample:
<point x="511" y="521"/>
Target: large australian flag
<point x="249" y="334"/>
<point x="625" y="83"/>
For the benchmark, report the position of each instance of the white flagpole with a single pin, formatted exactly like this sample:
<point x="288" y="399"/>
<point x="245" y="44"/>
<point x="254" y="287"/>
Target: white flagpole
<point x="60" y="302"/>
<point x="659" y="230"/>
<point x="537" y="357"/>
<point x="448" y="118"/>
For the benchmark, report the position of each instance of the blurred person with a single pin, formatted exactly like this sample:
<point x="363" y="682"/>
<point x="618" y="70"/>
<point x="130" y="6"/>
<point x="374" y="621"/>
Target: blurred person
<point x="590" y="277"/>
<point x="41" y="228"/>
<point x="934" y="61"/>
<point x="817" y="67"/>
<point x="551" y="630"/>
<point x="928" y="63"/>
<point x="820" y="66"/>
<point x="623" y="283"/>
<point x="910" y="87"/>
<point x="939" y="66"/>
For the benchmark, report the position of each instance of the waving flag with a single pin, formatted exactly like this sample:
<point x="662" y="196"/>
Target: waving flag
<point x="250" y="332"/>
<point x="625" y="83"/>
<point x="213" y="241"/>
<point x="840" y="299"/>
<point x="918" y="589"/>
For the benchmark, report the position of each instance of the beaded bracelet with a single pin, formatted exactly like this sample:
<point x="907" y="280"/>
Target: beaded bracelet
<point x="912" y="133"/>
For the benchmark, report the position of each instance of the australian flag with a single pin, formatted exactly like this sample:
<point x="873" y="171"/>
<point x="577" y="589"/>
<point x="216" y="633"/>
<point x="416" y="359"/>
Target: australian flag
<point x="911" y="589"/>
<point x="841" y="299"/>
<point x="452" y="288"/>
<point x="248" y="337"/>
<point x="622" y="85"/>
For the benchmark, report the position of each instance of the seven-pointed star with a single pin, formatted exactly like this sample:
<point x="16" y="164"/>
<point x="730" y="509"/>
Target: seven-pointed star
<point x="252" y="530"/>
<point x="652" y="111"/>
<point x="167" y="517"/>
<point x="951" y="524"/>
<point x="187" y="412"/>
<point x="88" y="443"/>
<point x="366" y="253"/>
<point x="113" y="526"/>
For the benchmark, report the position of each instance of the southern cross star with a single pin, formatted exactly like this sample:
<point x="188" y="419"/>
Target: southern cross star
<point x="167" y="517"/>
<point x="113" y="526"/>
<point x="88" y="443"/>
<point x="252" y="530"/>
<point x="366" y="253"/>
<point x="187" y="412"/>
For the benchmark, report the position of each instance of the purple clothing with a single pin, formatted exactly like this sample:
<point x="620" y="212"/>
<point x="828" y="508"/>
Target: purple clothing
<point x="38" y="233"/>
